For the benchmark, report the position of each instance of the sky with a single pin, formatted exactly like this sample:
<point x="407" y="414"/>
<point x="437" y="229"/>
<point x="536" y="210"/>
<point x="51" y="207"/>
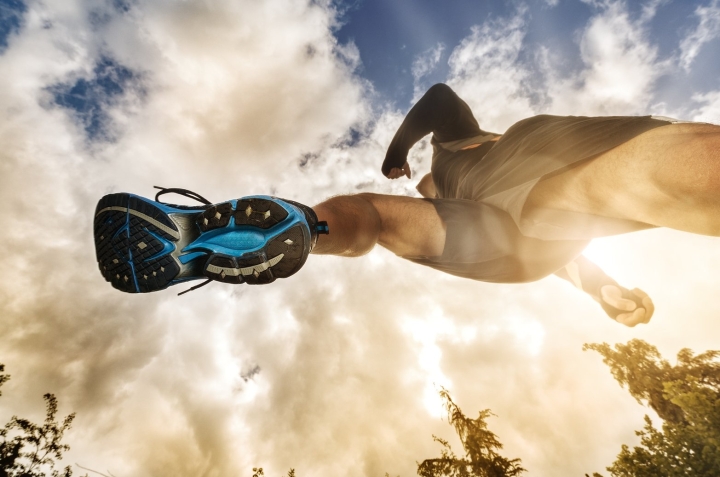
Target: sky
<point x="334" y="371"/>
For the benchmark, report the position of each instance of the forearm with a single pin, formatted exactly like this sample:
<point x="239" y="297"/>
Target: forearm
<point x="628" y="307"/>
<point x="586" y="276"/>
<point x="441" y="112"/>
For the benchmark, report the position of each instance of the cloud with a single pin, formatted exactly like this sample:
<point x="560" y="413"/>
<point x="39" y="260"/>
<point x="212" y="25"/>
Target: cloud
<point x="707" y="29"/>
<point x="505" y="79"/>
<point x="232" y="95"/>
<point x="427" y="61"/>
<point x="11" y="14"/>
<point x="424" y="64"/>
<point x="486" y="70"/>
<point x="330" y="371"/>
<point x="650" y="8"/>
<point x="709" y="111"/>
<point x="621" y="66"/>
<point x="89" y="100"/>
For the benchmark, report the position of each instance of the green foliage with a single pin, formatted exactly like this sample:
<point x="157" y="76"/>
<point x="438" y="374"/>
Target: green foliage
<point x="686" y="396"/>
<point x="3" y="377"/>
<point x="639" y="366"/>
<point x="259" y="472"/>
<point x="30" y="450"/>
<point x="480" y="445"/>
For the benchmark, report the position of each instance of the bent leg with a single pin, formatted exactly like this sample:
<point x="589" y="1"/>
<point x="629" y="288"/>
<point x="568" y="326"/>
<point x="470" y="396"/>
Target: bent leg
<point x="668" y="177"/>
<point x="404" y="225"/>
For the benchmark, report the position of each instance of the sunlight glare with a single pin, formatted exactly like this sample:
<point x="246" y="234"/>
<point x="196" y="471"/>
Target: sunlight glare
<point x="529" y="333"/>
<point x="425" y="332"/>
<point x="603" y="253"/>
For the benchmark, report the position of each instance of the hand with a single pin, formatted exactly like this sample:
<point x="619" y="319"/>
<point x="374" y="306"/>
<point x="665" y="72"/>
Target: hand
<point x="628" y="307"/>
<point x="396" y="172"/>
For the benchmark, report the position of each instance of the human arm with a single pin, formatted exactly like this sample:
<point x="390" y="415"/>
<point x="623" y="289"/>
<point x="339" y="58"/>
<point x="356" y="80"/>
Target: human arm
<point x="396" y="172"/>
<point x="628" y="307"/>
<point x="440" y="111"/>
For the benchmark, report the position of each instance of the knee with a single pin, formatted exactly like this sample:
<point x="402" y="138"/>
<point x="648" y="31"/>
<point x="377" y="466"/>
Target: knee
<point x="358" y="207"/>
<point x="370" y="206"/>
<point x="354" y="223"/>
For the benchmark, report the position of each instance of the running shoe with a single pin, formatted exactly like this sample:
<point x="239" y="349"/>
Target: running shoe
<point x="145" y="245"/>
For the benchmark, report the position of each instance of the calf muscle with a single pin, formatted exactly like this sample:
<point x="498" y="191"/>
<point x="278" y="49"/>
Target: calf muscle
<point x="404" y="225"/>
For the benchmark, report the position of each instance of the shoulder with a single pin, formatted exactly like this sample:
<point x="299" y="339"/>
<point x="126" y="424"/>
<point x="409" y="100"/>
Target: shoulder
<point x="439" y="87"/>
<point x="440" y="90"/>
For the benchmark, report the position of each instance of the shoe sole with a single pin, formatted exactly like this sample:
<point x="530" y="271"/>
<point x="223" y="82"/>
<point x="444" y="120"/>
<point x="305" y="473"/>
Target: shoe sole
<point x="144" y="246"/>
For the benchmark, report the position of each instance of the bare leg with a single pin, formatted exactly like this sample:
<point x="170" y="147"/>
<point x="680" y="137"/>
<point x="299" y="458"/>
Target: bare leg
<point x="404" y="225"/>
<point x="669" y="177"/>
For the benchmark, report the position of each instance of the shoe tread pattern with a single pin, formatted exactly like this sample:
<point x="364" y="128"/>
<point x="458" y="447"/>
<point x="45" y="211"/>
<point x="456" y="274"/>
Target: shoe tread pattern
<point x="140" y="205"/>
<point x="260" y="213"/>
<point x="154" y="270"/>
<point x="293" y="244"/>
<point x="128" y="251"/>
<point x="258" y="277"/>
<point x="215" y="216"/>
<point x="235" y="264"/>
<point x="224" y="261"/>
<point x="112" y="262"/>
<point x="133" y="257"/>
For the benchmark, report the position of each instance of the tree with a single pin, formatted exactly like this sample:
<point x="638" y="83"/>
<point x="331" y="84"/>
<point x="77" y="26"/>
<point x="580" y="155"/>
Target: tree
<point x="259" y="472"/>
<point x="686" y="396"/>
<point x="3" y="377"/>
<point x="30" y="450"/>
<point x="480" y="444"/>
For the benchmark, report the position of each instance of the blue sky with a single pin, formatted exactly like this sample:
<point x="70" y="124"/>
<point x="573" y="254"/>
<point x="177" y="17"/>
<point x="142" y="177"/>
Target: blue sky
<point x="334" y="371"/>
<point x="11" y="12"/>
<point x="391" y="34"/>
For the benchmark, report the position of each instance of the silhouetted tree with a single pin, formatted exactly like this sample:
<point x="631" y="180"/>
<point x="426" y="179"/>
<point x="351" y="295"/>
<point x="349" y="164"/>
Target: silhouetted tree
<point x="3" y="377"/>
<point x="30" y="450"/>
<point x="259" y="472"/>
<point x="686" y="396"/>
<point x="480" y="445"/>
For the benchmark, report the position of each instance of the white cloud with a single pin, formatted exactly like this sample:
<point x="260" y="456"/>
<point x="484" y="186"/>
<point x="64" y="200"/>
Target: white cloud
<point x="504" y="80"/>
<point x="709" y="111"/>
<point x="621" y="67"/>
<point x="424" y="64"/>
<point x="236" y="93"/>
<point x="486" y="71"/>
<point x="707" y="29"/>
<point x="237" y="96"/>
<point x="650" y="8"/>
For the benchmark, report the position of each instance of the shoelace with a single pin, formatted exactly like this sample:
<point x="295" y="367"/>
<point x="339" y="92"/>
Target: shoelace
<point x="183" y="192"/>
<point x="195" y="287"/>
<point x="190" y="195"/>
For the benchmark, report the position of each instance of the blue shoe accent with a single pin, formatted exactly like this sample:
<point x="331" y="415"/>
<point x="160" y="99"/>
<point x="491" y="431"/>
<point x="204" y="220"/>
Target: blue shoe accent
<point x="143" y="245"/>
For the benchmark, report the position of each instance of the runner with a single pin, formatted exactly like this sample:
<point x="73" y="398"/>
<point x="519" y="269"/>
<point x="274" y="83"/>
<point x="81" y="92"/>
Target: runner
<point x="498" y="208"/>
